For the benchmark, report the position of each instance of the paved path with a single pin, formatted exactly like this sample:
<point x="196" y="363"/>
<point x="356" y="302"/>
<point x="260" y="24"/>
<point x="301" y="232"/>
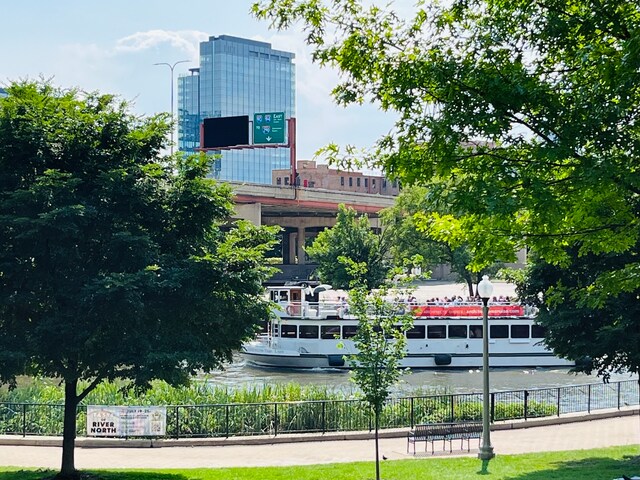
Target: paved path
<point x="571" y="436"/>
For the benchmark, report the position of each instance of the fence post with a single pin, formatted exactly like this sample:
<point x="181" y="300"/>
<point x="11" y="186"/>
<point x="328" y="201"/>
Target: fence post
<point x="589" y="399"/>
<point x="226" y="420"/>
<point x="24" y="419"/>
<point x="526" y="404"/>
<point x="452" y="414"/>
<point x="412" y="413"/>
<point x="324" y="417"/>
<point x="492" y="416"/>
<point x="619" y="395"/>
<point x="558" y="401"/>
<point x="177" y="421"/>
<point x="275" y="419"/>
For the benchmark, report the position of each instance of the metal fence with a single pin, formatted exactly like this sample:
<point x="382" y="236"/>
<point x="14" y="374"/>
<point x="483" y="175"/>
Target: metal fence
<point x="227" y="420"/>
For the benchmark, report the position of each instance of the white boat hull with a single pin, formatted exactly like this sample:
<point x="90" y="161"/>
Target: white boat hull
<point x="289" y="358"/>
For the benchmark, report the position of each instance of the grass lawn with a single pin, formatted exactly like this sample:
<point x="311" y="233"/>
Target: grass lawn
<point x="598" y="464"/>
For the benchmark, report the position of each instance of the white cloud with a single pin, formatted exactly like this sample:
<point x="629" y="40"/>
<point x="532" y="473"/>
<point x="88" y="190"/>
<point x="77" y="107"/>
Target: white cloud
<point x="186" y="41"/>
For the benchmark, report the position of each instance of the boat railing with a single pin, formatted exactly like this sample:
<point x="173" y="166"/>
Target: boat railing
<point x="339" y="308"/>
<point x="303" y="309"/>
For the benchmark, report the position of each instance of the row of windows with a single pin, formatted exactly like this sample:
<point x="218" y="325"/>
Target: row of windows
<point x="366" y="182"/>
<point x="517" y="331"/>
<point x="268" y="56"/>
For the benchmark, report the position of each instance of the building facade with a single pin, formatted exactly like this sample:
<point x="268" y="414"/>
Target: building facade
<point x="237" y="76"/>
<point x="311" y="175"/>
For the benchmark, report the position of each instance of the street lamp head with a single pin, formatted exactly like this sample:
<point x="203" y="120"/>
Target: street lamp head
<point x="172" y="65"/>
<point x="485" y="287"/>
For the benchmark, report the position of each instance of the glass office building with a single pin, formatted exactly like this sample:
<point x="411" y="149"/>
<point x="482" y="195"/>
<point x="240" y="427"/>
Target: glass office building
<point x="237" y="77"/>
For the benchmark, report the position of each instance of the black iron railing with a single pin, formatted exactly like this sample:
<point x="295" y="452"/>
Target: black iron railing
<point x="275" y="418"/>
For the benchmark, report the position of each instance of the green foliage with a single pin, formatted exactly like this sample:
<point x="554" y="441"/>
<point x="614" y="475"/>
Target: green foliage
<point x="113" y="260"/>
<point x="351" y="239"/>
<point x="417" y="230"/>
<point x="581" y="321"/>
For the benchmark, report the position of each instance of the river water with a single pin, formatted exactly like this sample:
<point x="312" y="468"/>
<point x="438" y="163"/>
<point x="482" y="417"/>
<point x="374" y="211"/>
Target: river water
<point x="240" y="373"/>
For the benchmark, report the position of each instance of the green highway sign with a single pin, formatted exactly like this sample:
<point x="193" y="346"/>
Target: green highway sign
<point x="268" y="127"/>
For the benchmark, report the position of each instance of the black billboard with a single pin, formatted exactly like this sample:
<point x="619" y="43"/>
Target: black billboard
<point x="226" y="131"/>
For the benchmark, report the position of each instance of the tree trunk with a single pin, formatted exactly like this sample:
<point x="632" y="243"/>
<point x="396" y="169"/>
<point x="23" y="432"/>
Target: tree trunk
<point x="469" y="282"/>
<point x="377" y="424"/>
<point x="68" y="469"/>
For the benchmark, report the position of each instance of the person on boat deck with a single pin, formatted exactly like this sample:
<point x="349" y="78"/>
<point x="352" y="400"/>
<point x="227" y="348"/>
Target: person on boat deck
<point x="343" y="308"/>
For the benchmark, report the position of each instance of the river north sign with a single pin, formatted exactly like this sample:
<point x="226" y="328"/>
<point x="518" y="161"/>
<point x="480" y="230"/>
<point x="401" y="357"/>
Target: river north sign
<point x="268" y="127"/>
<point x="126" y="421"/>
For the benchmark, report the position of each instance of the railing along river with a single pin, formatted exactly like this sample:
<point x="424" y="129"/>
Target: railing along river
<point x="227" y="420"/>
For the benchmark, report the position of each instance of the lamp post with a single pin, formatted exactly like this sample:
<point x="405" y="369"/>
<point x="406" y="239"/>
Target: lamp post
<point x="171" y="67"/>
<point x="485" y="289"/>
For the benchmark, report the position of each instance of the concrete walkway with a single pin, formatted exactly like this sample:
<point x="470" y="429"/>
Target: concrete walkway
<point x="595" y="433"/>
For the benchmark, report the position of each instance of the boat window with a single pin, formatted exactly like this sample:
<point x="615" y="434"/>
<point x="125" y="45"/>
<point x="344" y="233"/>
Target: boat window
<point x="349" y="331"/>
<point x="417" y="331"/>
<point x="289" y="331"/>
<point x="437" y="331"/>
<point x="537" y="331"/>
<point x="457" y="331"/>
<point x="519" y="331"/>
<point x="475" y="331"/>
<point x="499" y="331"/>
<point x="329" y="331"/>
<point x="308" y="331"/>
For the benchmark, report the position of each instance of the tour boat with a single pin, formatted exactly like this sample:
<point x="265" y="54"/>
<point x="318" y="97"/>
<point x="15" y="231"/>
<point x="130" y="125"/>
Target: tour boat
<point x="309" y="332"/>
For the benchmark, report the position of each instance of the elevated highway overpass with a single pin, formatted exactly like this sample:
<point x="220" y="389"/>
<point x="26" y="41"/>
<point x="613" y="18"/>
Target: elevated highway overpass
<point x="302" y="213"/>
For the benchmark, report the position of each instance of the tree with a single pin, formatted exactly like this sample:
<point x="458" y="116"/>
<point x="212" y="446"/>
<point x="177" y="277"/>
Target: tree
<point x="411" y="220"/>
<point x="550" y="87"/>
<point x="522" y="116"/>
<point x="113" y="264"/>
<point x="351" y="237"/>
<point x="380" y="344"/>
<point x="600" y="335"/>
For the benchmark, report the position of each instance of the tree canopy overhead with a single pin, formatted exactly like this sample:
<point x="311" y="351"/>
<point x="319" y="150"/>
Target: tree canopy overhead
<point x="113" y="262"/>
<point x="522" y="116"/>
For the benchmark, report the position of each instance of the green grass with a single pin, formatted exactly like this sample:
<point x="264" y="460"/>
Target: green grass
<point x="598" y="464"/>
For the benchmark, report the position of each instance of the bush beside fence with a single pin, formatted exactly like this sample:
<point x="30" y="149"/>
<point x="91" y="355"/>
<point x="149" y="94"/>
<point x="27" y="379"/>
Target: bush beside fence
<point x="320" y="416"/>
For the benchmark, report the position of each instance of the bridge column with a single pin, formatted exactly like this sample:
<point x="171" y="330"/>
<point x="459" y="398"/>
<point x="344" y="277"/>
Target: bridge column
<point x="300" y="242"/>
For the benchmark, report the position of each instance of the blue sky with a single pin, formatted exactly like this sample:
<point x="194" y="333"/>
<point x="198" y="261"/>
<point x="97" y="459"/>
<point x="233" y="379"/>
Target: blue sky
<point x="111" y="47"/>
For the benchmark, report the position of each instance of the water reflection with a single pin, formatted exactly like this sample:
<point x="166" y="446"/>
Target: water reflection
<point x="239" y="373"/>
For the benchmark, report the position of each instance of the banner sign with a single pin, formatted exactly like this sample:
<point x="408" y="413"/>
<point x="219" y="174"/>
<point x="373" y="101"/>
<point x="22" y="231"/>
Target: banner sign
<point x="126" y="421"/>
<point x="474" y="311"/>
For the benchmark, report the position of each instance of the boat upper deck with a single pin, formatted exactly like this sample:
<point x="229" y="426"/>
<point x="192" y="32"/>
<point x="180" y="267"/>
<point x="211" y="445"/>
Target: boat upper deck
<point x="303" y="303"/>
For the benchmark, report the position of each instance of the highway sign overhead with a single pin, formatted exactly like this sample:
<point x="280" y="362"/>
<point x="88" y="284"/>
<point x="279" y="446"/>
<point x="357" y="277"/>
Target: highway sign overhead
<point x="268" y="127"/>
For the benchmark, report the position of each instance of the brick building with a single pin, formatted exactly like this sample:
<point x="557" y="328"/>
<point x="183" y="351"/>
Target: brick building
<point x="311" y="175"/>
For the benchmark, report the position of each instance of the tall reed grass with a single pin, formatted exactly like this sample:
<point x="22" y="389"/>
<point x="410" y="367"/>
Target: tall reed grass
<point x="205" y="410"/>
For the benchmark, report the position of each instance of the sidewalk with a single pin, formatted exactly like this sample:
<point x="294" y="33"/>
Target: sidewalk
<point x="596" y="433"/>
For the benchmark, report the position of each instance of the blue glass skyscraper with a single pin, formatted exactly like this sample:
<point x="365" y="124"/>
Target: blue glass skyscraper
<point x="237" y="76"/>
